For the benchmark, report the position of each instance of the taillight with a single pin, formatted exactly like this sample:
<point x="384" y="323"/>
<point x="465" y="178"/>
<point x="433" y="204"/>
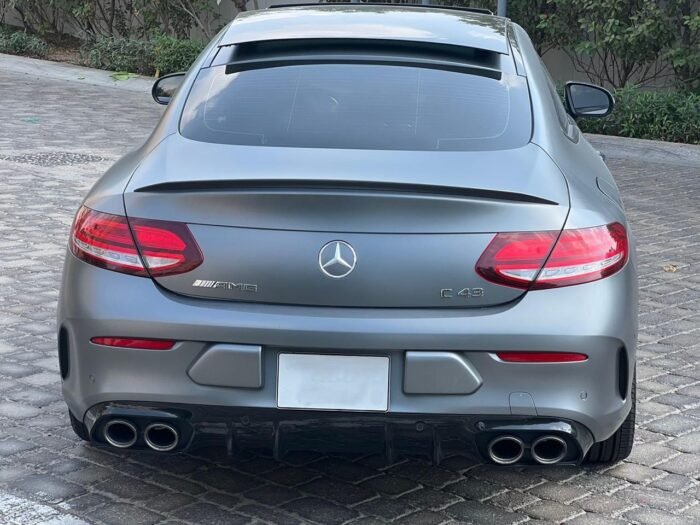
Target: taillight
<point x="575" y="257"/>
<point x="134" y="246"/>
<point x="136" y="344"/>
<point x="541" y="357"/>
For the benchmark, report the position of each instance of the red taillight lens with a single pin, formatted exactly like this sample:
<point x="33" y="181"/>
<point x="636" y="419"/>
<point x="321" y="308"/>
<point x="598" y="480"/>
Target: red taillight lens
<point x="137" y="344"/>
<point x="541" y="357"/>
<point x="579" y="256"/>
<point x="105" y="240"/>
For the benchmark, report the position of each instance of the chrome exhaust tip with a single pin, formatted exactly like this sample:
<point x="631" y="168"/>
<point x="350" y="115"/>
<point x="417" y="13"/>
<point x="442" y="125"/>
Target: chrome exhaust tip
<point x="506" y="450"/>
<point x="120" y="433"/>
<point x="161" y="437"/>
<point x="548" y="450"/>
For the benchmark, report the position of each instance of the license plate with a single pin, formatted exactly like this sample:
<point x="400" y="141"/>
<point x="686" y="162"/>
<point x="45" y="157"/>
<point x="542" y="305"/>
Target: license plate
<point x="333" y="382"/>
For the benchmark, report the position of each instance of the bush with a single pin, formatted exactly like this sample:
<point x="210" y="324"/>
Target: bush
<point x="121" y="54"/>
<point x="21" y="43"/>
<point x="657" y="115"/>
<point x="173" y="55"/>
<point x="164" y="55"/>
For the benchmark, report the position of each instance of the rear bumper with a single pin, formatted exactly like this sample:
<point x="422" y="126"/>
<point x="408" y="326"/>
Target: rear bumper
<point x="598" y="319"/>
<point x="280" y="431"/>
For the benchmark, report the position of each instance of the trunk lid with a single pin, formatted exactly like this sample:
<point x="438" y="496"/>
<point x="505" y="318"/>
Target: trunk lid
<point x="411" y="224"/>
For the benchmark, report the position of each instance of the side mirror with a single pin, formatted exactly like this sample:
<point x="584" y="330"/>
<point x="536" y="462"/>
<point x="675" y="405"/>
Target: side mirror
<point x="588" y="100"/>
<point x="166" y="86"/>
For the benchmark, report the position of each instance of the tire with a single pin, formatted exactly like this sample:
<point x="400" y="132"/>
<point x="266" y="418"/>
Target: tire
<point x="618" y="446"/>
<point x="78" y="427"/>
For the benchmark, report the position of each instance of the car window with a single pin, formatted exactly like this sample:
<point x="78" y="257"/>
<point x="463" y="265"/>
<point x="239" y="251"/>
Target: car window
<point x="562" y="115"/>
<point x="357" y="106"/>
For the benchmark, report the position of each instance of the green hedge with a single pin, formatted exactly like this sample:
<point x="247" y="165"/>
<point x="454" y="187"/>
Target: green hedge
<point x="21" y="43"/>
<point x="173" y="55"/>
<point x="121" y="54"/>
<point x="657" y="115"/>
<point x="162" y="55"/>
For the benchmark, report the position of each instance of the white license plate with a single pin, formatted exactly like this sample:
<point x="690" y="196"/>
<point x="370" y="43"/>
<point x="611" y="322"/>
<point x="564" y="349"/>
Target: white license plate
<point x="333" y="382"/>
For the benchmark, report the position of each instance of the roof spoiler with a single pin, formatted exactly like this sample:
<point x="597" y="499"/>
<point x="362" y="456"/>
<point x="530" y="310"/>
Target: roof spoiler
<point x="389" y="4"/>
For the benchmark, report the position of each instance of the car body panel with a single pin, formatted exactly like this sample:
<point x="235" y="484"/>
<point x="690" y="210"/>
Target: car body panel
<point x="593" y="318"/>
<point x="381" y="22"/>
<point x="248" y="204"/>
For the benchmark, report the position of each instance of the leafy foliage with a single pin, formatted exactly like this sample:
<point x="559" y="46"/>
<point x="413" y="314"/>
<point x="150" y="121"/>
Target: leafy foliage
<point x="684" y="52"/>
<point x="121" y="54"/>
<point x="21" y="43"/>
<point x="164" y="54"/>
<point x="173" y="55"/>
<point x="96" y="19"/>
<point x="614" y="42"/>
<point x="670" y="116"/>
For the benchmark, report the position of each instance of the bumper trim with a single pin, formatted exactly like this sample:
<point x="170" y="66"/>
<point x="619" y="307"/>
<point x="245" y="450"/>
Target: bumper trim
<point x="430" y="435"/>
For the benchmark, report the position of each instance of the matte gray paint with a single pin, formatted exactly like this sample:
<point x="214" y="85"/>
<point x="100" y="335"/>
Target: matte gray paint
<point x="380" y="22"/>
<point x="234" y="366"/>
<point x="439" y="373"/>
<point x="596" y="318"/>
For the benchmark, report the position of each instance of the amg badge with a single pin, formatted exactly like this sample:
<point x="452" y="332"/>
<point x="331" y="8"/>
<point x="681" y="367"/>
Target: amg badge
<point x="241" y="287"/>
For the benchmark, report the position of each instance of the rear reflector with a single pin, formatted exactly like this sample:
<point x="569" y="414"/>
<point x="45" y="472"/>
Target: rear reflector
<point x="575" y="257"/>
<point x="135" y="246"/>
<point x="128" y="342"/>
<point x="541" y="357"/>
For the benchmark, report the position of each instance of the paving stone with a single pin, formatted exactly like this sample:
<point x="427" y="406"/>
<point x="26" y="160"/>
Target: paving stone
<point x="269" y="515"/>
<point x="14" y="411"/>
<point x="604" y="504"/>
<point x="424" y="517"/>
<point x="14" y="446"/>
<point x="86" y="502"/>
<point x="654" y="517"/>
<point x="210" y="514"/>
<point x="338" y="491"/>
<point x="121" y="513"/>
<point x="391" y="485"/>
<point x="273" y="494"/>
<point x="594" y="519"/>
<point x="686" y="464"/>
<point x="672" y="483"/>
<point x="512" y="500"/>
<point x="428" y="498"/>
<point x="688" y="443"/>
<point x="650" y="497"/>
<point x="47" y="488"/>
<point x="83" y="130"/>
<point x="650" y="454"/>
<point x="320" y="511"/>
<point x="387" y="509"/>
<point x="475" y="512"/>
<point x="226" y="480"/>
<point x="559" y="492"/>
<point x="551" y="511"/>
<point x="635" y="473"/>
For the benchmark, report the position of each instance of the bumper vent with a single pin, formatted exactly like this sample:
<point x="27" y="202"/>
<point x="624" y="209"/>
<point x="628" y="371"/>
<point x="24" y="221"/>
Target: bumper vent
<point x="622" y="372"/>
<point x="63" y="347"/>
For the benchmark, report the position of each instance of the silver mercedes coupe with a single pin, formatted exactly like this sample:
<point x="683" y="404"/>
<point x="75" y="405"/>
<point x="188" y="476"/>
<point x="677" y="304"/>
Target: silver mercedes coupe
<point x="358" y="226"/>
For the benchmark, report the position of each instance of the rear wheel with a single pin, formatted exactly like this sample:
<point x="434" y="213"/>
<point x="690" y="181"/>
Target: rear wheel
<point x="618" y="446"/>
<point x="78" y="427"/>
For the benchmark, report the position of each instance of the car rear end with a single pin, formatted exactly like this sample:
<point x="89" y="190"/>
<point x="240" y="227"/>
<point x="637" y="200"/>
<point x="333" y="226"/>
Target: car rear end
<point x="364" y="239"/>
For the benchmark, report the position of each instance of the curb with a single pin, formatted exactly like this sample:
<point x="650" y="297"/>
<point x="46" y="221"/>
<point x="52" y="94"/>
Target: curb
<point x="37" y="68"/>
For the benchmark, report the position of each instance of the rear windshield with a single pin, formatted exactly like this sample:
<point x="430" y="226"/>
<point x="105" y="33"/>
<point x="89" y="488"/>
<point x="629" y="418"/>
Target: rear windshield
<point x="355" y="106"/>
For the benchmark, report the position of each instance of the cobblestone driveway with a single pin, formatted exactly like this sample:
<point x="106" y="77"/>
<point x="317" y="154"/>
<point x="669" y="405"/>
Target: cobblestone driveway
<point x="57" y="136"/>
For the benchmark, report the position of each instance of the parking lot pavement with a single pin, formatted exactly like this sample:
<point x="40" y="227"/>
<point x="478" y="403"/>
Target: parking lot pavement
<point x="57" y="136"/>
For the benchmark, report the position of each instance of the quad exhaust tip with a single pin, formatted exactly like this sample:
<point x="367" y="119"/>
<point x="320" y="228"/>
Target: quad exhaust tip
<point x="506" y="450"/>
<point x="548" y="450"/>
<point x="161" y="437"/>
<point x="120" y="433"/>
